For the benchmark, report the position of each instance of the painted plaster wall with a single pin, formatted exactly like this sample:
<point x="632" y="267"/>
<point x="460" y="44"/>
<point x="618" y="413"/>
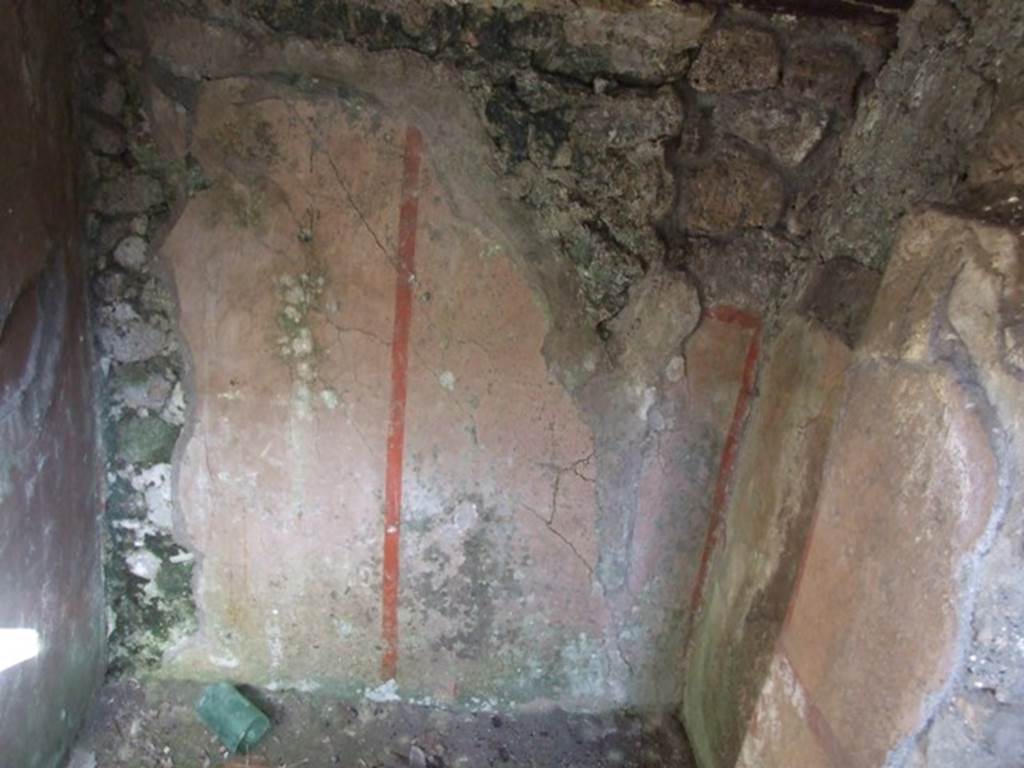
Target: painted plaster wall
<point x="282" y="486"/>
<point x="545" y="528"/>
<point x="49" y="517"/>
<point x="584" y="314"/>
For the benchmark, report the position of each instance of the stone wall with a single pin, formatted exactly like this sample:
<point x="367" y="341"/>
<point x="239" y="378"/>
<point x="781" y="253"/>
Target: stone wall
<point x="769" y="102"/>
<point x="49" y="536"/>
<point x="431" y="334"/>
<point x="140" y="359"/>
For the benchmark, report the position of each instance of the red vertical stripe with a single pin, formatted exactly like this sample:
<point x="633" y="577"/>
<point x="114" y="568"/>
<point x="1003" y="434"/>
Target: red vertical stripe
<point x="816" y="721"/>
<point x="406" y="270"/>
<point x="731" y="316"/>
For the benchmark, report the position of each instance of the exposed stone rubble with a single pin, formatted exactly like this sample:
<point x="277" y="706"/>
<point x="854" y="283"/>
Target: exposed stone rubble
<point x="770" y="99"/>
<point x="737" y="58"/>
<point x="958" y="64"/>
<point x="716" y="161"/>
<point x="142" y="385"/>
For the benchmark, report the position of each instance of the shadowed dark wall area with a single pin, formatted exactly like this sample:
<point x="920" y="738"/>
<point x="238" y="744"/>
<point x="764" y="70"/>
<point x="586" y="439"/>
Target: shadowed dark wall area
<point x="49" y="539"/>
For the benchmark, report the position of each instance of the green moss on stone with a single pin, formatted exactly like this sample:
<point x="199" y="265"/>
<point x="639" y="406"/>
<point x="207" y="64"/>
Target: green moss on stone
<point x="145" y="439"/>
<point x="147" y="621"/>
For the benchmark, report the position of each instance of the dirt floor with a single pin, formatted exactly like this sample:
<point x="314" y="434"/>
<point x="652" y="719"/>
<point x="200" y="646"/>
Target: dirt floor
<point x="154" y="725"/>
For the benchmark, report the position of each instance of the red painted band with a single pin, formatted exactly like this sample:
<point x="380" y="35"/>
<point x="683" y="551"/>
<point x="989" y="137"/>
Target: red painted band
<point x="406" y="266"/>
<point x="738" y="317"/>
<point x="817" y="723"/>
<point x="726" y="313"/>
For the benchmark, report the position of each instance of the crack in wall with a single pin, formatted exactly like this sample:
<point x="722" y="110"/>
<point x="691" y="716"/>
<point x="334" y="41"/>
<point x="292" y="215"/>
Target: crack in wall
<point x="317" y="140"/>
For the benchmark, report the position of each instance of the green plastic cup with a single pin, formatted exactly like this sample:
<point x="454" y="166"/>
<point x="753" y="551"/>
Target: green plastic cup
<point x="236" y="721"/>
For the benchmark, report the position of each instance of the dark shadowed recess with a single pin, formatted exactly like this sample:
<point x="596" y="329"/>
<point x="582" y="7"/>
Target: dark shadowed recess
<point x="870" y="11"/>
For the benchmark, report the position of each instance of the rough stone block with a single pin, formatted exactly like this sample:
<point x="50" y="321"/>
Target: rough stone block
<point x="131" y="252"/>
<point x="736" y="190"/>
<point x="112" y="96"/>
<point x="998" y="162"/>
<point x="145" y="440"/>
<point x="132" y="194"/>
<point x="840" y="296"/>
<point x="106" y="140"/>
<point x="647" y="46"/>
<point x="136" y="386"/>
<point x="754" y="270"/>
<point x="617" y="151"/>
<point x="737" y="59"/>
<point x="126" y="337"/>
<point x="827" y="75"/>
<point x="788" y="130"/>
<point x="608" y="123"/>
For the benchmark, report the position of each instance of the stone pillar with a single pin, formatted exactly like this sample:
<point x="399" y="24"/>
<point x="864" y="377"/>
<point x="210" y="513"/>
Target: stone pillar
<point x="903" y="642"/>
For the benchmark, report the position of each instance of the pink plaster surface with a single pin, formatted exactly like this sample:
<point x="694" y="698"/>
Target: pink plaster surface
<point x="675" y="490"/>
<point x="280" y="482"/>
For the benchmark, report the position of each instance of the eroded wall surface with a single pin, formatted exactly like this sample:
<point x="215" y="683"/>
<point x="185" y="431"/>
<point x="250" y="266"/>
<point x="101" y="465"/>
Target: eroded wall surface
<point x="140" y="358"/>
<point x="49" y="517"/>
